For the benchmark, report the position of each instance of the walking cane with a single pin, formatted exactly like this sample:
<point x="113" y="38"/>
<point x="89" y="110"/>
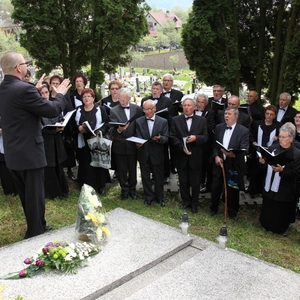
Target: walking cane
<point x="222" y="238"/>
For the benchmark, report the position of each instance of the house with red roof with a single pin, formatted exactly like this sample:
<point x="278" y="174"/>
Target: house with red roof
<point x="155" y="19"/>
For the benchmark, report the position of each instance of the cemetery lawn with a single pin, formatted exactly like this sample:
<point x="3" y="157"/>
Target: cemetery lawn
<point x="246" y="235"/>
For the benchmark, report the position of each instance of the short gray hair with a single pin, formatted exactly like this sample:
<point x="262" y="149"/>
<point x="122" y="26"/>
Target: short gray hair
<point x="235" y="110"/>
<point x="169" y="75"/>
<point x="290" y="128"/>
<point x="289" y="97"/>
<point x="194" y="101"/>
<point x="124" y="91"/>
<point x="202" y="95"/>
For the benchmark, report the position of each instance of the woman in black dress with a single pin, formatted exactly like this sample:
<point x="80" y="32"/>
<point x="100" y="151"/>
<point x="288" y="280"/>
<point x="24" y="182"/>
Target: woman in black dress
<point x="95" y="115"/>
<point x="263" y="133"/>
<point x="280" y="188"/>
<point x="56" y="184"/>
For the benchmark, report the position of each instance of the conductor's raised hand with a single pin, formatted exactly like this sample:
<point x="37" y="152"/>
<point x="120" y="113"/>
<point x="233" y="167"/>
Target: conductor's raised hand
<point x="63" y="87"/>
<point x="40" y="84"/>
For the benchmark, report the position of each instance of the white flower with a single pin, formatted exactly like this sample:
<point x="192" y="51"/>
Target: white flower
<point x="94" y="201"/>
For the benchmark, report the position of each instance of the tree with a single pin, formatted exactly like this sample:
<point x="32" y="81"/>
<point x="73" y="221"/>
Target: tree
<point x="147" y="42"/>
<point x="160" y="40"/>
<point x="174" y="59"/>
<point x="73" y="33"/>
<point x="209" y="39"/>
<point x="251" y="41"/>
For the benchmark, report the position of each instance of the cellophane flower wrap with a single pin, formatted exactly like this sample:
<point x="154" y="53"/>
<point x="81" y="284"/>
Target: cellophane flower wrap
<point x="58" y="255"/>
<point x="91" y="225"/>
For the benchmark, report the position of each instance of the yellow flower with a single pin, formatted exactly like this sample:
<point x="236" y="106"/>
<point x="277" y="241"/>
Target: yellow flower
<point x="105" y="230"/>
<point x="2" y="287"/>
<point x="92" y="217"/>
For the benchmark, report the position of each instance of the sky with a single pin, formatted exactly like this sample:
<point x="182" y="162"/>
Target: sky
<point x="168" y="4"/>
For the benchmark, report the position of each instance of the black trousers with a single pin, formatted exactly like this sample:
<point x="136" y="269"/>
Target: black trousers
<point x="30" y="186"/>
<point x="126" y="163"/>
<point x="158" y="175"/>
<point x="233" y="195"/>
<point x="189" y="178"/>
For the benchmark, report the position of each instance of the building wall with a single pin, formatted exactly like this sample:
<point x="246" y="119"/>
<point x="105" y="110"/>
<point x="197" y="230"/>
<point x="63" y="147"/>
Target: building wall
<point x="161" y="61"/>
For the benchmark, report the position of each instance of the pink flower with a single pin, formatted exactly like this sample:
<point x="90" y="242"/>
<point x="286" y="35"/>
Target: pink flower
<point x="45" y="250"/>
<point x="27" y="261"/>
<point x="39" y="262"/>
<point x="23" y="273"/>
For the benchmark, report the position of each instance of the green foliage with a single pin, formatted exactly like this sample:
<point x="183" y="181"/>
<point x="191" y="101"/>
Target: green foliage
<point x="250" y="41"/>
<point x="72" y="34"/>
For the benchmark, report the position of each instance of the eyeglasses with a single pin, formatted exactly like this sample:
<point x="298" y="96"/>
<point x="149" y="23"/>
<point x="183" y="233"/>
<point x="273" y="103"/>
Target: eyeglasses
<point x="283" y="137"/>
<point x="24" y="63"/>
<point x="148" y="109"/>
<point x="114" y="88"/>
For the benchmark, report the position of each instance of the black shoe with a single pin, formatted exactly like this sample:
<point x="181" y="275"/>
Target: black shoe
<point x="101" y="192"/>
<point x="184" y="206"/>
<point x="162" y="203"/>
<point x="115" y="175"/>
<point x="194" y="210"/>
<point x="212" y="213"/>
<point x="124" y="196"/>
<point x="71" y="175"/>
<point x="166" y="180"/>
<point x="133" y="196"/>
<point x="202" y="188"/>
<point x="148" y="202"/>
<point x="48" y="227"/>
<point x="174" y="170"/>
<point x="284" y="234"/>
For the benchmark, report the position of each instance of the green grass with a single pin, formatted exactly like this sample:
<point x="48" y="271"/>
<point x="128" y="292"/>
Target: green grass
<point x="246" y="235"/>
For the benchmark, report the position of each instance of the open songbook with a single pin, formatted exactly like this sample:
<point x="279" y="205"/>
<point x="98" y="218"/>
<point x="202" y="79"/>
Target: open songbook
<point x="116" y="124"/>
<point x="273" y="159"/>
<point x="87" y="127"/>
<point x="66" y="118"/>
<point x="221" y="146"/>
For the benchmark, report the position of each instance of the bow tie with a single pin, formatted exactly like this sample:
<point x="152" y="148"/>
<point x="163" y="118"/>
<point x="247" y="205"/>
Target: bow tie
<point x="126" y="107"/>
<point x="155" y="99"/>
<point x="229" y="127"/>
<point x="148" y="119"/>
<point x="187" y="118"/>
<point x="166" y="93"/>
<point x="282" y="109"/>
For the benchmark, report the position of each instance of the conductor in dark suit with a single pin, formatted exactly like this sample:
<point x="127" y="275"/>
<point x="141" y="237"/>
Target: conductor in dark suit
<point x="188" y="155"/>
<point x="21" y="109"/>
<point x="233" y="136"/>
<point x="155" y="130"/>
<point x="286" y="113"/>
<point x="125" y="152"/>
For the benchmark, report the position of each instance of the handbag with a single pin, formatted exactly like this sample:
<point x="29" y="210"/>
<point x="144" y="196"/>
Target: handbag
<point x="100" y="151"/>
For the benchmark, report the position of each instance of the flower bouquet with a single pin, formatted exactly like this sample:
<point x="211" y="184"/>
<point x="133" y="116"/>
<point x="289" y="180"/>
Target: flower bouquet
<point x="91" y="225"/>
<point x="57" y="255"/>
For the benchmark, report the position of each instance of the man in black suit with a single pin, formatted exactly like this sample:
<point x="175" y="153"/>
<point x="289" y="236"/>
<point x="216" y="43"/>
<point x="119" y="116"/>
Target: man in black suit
<point x="256" y="110"/>
<point x="217" y="102"/>
<point x="243" y="118"/>
<point x="233" y="136"/>
<point x="188" y="135"/>
<point x="125" y="151"/>
<point x="286" y="113"/>
<point x="161" y="103"/>
<point x="21" y="109"/>
<point x="155" y="130"/>
<point x="175" y="108"/>
<point x="203" y="110"/>
<point x="174" y="95"/>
